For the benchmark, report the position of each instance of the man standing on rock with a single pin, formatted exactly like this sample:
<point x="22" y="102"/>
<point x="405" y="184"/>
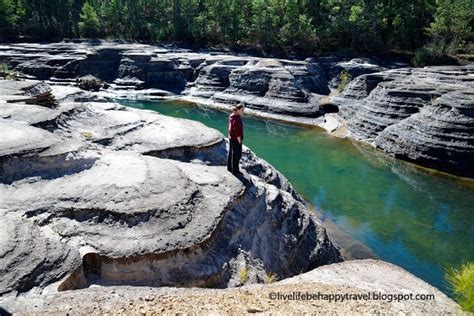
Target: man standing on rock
<point x="236" y="136"/>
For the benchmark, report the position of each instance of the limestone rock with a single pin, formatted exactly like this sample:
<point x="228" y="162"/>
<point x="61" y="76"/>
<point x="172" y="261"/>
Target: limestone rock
<point x="440" y="136"/>
<point x="380" y="95"/>
<point x="355" y="68"/>
<point x="22" y="139"/>
<point x="353" y="279"/>
<point x="422" y="115"/>
<point x="162" y="73"/>
<point x="29" y="257"/>
<point x="267" y="85"/>
<point x="97" y="193"/>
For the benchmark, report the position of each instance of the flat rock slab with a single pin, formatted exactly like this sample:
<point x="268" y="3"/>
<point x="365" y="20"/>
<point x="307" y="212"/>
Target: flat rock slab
<point x="21" y="139"/>
<point x="15" y="87"/>
<point x="122" y="128"/>
<point x="124" y="199"/>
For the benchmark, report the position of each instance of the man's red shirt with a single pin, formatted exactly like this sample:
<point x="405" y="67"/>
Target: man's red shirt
<point x="236" y="127"/>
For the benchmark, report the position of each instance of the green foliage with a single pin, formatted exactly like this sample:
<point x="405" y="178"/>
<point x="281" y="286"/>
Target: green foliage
<point x="356" y="13"/>
<point x="344" y="79"/>
<point x="7" y="73"/>
<point x="421" y="57"/>
<point x="270" y="278"/>
<point x="243" y="275"/>
<point x="311" y="26"/>
<point x="89" y="21"/>
<point x="461" y="282"/>
<point x="4" y="70"/>
<point x="11" y="12"/>
<point x="453" y="25"/>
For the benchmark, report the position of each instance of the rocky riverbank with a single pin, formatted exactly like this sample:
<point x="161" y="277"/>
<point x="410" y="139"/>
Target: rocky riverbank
<point x="97" y="193"/>
<point x="94" y="195"/>
<point x="423" y="115"/>
<point x="267" y="85"/>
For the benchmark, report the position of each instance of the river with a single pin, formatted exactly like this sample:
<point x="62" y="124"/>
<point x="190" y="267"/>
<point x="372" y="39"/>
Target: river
<point x="418" y="219"/>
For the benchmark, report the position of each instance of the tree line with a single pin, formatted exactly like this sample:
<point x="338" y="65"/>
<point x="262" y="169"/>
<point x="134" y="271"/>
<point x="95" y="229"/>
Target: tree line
<point x="444" y="26"/>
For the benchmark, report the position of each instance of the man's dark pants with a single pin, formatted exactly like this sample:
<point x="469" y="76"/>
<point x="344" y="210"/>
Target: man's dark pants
<point x="233" y="158"/>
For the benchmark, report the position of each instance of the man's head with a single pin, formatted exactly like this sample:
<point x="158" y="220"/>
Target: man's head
<point x="239" y="109"/>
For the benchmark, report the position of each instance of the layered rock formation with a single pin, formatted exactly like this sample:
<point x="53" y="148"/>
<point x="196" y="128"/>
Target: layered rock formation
<point x="266" y="85"/>
<point x="97" y="193"/>
<point x="394" y="109"/>
<point x="422" y="115"/>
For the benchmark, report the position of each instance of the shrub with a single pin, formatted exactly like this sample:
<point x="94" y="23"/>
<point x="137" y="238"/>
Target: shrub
<point x="270" y="278"/>
<point x="461" y="282"/>
<point x="421" y="57"/>
<point x="344" y="79"/>
<point x="6" y="72"/>
<point x="243" y="275"/>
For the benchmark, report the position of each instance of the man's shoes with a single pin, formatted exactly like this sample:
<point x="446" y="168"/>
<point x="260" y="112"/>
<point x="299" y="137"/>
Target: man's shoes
<point x="237" y="173"/>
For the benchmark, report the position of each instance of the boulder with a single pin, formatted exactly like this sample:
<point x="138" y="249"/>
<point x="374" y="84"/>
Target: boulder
<point x="89" y="83"/>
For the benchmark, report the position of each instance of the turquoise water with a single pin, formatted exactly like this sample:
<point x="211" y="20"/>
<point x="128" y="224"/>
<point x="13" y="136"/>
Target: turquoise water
<point x="418" y="220"/>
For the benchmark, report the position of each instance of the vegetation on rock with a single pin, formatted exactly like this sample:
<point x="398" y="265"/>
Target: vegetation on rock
<point x="270" y="278"/>
<point x="461" y="282"/>
<point x="6" y="72"/>
<point x="243" y="275"/>
<point x="344" y="78"/>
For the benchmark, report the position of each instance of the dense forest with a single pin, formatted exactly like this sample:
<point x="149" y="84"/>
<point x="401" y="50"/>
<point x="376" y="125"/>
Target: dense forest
<point x="441" y="26"/>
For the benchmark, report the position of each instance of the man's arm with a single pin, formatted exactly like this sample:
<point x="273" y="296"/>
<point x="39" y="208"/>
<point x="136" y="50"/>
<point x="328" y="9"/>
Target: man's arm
<point x="240" y="130"/>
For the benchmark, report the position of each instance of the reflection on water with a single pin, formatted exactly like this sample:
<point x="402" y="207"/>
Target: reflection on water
<point x="407" y="216"/>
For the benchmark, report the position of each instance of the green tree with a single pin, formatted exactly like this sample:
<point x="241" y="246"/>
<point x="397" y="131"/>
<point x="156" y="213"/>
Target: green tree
<point x="263" y="24"/>
<point x="312" y="26"/>
<point x="89" y="25"/>
<point x="11" y="12"/>
<point x="452" y="26"/>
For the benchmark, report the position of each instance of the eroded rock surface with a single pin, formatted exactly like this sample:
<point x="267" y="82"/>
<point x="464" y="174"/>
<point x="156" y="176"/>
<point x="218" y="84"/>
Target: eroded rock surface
<point x="266" y="85"/>
<point x="423" y="115"/>
<point x="393" y="108"/>
<point x="399" y="292"/>
<point x="97" y="193"/>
